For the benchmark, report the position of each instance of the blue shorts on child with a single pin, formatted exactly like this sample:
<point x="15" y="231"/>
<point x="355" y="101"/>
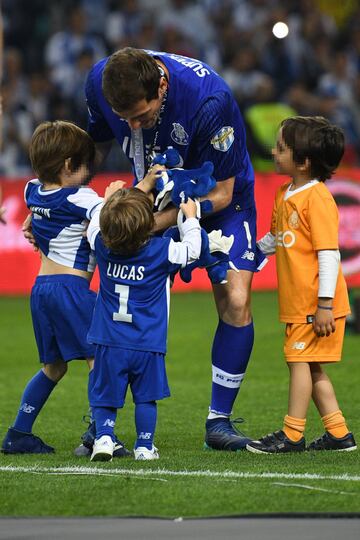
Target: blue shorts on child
<point x="61" y="307"/>
<point x="116" y="368"/>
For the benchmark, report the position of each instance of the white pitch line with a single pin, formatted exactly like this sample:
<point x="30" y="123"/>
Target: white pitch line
<point x="186" y="473"/>
<point x="313" y="488"/>
<point x="55" y="473"/>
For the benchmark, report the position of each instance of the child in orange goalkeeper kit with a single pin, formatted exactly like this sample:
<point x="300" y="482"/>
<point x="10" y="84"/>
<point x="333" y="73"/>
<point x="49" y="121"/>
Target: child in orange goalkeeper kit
<point x="312" y="292"/>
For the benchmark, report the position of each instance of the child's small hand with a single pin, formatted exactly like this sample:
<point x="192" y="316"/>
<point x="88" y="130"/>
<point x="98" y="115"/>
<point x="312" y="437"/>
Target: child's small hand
<point x="114" y="186"/>
<point x="324" y="322"/>
<point x="153" y="174"/>
<point x="149" y="181"/>
<point x="189" y="208"/>
<point x="27" y="231"/>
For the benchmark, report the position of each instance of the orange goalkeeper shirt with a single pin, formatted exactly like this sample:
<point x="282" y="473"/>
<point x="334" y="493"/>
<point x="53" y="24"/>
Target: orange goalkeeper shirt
<point x="305" y="221"/>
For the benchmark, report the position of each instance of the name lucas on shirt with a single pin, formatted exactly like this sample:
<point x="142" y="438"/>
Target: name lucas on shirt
<point x="123" y="271"/>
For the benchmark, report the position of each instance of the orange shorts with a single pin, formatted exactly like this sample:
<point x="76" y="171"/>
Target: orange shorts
<point x="303" y="345"/>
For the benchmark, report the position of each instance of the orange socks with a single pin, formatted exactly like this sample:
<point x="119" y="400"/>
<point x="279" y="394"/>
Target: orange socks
<point x="335" y="424"/>
<point x="294" y="427"/>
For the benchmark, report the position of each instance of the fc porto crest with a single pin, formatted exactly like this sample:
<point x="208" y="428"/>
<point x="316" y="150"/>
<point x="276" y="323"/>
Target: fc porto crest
<point x="179" y="134"/>
<point x="294" y="220"/>
<point x="223" y="139"/>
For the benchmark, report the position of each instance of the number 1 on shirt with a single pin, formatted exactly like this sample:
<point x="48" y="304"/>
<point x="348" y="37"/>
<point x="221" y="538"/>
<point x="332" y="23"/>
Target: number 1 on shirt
<point x="122" y="315"/>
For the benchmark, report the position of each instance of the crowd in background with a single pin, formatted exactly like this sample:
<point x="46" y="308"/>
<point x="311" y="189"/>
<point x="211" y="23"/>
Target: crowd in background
<point x="50" y="46"/>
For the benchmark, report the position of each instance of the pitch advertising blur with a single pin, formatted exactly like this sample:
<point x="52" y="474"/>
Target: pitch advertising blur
<point x="19" y="262"/>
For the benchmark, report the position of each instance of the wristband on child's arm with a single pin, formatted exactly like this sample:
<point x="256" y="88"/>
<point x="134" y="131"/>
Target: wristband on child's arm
<point x="324" y="307"/>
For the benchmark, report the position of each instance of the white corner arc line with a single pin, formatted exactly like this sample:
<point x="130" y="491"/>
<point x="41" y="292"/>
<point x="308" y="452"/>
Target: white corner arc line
<point x="186" y="473"/>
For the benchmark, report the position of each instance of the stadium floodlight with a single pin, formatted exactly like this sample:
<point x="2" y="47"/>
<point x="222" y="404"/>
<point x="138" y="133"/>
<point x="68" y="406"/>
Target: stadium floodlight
<point x="280" y="30"/>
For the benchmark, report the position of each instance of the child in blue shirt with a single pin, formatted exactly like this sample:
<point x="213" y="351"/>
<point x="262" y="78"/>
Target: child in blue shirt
<point x="129" y="327"/>
<point x="62" y="155"/>
<point x="61" y="302"/>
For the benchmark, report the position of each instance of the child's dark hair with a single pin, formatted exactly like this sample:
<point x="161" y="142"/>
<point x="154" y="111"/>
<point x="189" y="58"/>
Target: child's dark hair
<point x="54" y="142"/>
<point x="126" y="221"/>
<point x="314" y="138"/>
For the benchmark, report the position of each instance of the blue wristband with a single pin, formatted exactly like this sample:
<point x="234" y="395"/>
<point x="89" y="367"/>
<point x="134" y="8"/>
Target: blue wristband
<point x="325" y="307"/>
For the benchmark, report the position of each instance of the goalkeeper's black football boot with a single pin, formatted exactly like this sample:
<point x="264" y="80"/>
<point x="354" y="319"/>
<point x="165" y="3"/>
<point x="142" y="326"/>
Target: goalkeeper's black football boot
<point x="88" y="438"/>
<point x="19" y="442"/>
<point x="329" y="442"/>
<point x="276" y="443"/>
<point x="221" y="434"/>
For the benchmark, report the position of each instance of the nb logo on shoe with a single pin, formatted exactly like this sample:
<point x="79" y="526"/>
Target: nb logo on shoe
<point x="299" y="345"/>
<point x="28" y="409"/>
<point x="249" y="255"/>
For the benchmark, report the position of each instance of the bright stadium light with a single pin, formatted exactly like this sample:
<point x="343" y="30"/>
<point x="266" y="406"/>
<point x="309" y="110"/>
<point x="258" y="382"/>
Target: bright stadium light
<point x="280" y="30"/>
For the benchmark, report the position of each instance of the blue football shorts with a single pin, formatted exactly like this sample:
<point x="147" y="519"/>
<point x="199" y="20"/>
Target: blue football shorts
<point x="115" y="369"/>
<point x="242" y="224"/>
<point x="61" y="308"/>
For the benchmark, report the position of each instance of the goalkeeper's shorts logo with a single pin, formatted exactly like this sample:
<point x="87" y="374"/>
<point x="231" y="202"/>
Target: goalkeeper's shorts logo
<point x="249" y="255"/>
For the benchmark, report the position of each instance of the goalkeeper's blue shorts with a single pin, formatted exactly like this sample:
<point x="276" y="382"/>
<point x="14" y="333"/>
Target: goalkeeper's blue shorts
<point x="115" y="369"/>
<point x="242" y="224"/>
<point x="61" y="310"/>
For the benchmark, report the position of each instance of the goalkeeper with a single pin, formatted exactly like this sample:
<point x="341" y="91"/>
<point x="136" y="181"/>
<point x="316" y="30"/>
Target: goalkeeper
<point x="148" y="101"/>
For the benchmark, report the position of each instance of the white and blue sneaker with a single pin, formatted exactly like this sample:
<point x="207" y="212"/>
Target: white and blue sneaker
<point x="103" y="449"/>
<point x="143" y="453"/>
<point x="88" y="438"/>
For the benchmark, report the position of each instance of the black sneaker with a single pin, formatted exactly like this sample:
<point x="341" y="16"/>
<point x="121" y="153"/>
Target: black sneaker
<point x="276" y="443"/>
<point x="222" y="435"/>
<point x="329" y="442"/>
<point x="88" y="438"/>
<point x="19" y="442"/>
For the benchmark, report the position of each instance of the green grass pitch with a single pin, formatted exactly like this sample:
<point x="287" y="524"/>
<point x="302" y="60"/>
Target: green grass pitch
<point x="186" y="481"/>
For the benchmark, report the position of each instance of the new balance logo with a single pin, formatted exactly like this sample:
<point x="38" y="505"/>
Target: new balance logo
<point x="143" y="435"/>
<point x="109" y="423"/>
<point x="28" y="409"/>
<point x="299" y="345"/>
<point x="249" y="255"/>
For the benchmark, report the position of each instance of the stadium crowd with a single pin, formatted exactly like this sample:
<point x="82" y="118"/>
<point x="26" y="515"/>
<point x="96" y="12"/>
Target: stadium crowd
<point x="50" y="47"/>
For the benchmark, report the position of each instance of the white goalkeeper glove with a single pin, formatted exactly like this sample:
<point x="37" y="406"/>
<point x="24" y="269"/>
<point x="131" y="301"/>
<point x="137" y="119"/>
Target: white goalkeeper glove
<point x="164" y="196"/>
